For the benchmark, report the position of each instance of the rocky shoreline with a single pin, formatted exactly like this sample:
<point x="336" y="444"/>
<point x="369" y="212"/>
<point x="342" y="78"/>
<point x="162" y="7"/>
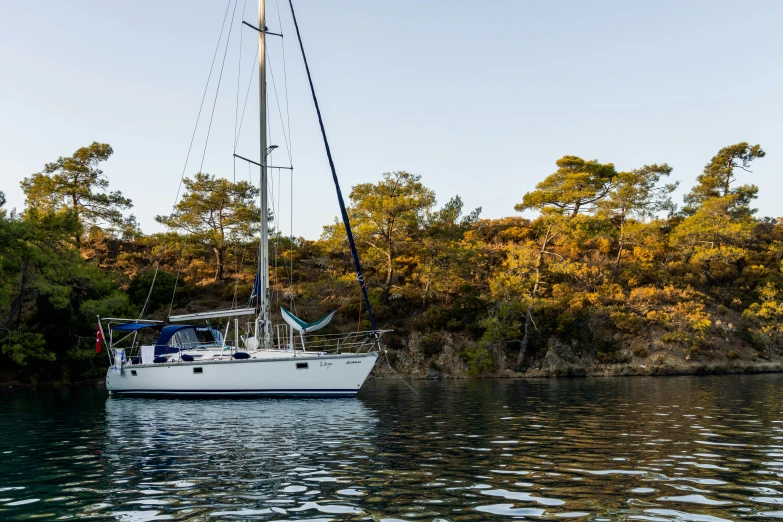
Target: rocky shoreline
<point x="412" y="360"/>
<point x="561" y="360"/>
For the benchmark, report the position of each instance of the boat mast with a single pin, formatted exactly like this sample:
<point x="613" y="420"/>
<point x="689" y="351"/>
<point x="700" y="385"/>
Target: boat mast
<point x="263" y="261"/>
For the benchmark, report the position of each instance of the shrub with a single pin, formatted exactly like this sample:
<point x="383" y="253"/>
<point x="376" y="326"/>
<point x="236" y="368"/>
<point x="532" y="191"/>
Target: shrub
<point x="733" y="354"/>
<point x="394" y="341"/>
<point x="391" y="357"/>
<point x="641" y="352"/>
<point x="478" y="359"/>
<point x="609" y="357"/>
<point x="431" y="344"/>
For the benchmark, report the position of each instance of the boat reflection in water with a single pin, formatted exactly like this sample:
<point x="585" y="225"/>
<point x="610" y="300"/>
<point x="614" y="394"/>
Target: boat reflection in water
<point x="240" y="458"/>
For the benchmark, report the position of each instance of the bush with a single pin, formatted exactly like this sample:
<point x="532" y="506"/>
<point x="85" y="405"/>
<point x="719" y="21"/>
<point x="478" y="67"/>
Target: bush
<point x="611" y="357"/>
<point x="478" y="359"/>
<point x="391" y="357"/>
<point x="733" y="355"/>
<point x="394" y="341"/>
<point x="641" y="352"/>
<point x="162" y="292"/>
<point x="431" y="344"/>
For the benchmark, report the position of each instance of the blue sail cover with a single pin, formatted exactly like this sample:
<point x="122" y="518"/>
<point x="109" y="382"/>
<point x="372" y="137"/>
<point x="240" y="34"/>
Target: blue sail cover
<point x="256" y="285"/>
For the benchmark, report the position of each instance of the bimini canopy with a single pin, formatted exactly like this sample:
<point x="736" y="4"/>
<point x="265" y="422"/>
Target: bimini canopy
<point x="168" y="331"/>
<point x="132" y="327"/>
<point x="303" y="327"/>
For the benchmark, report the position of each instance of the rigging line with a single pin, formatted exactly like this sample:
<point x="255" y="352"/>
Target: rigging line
<point x="237" y="263"/>
<point x="146" y="302"/>
<point x="201" y="106"/>
<point x="173" y="293"/>
<point x="274" y="210"/>
<point x="239" y="78"/>
<point x="277" y="100"/>
<point x="382" y="359"/>
<point x="285" y="84"/>
<point x="291" y="245"/>
<point x="193" y="137"/>
<point x="238" y="272"/>
<point x="279" y="232"/>
<point x="271" y="190"/>
<point x="289" y="147"/>
<point x="346" y="220"/>
<point x="236" y="267"/>
<point x="244" y="108"/>
<point x="217" y="90"/>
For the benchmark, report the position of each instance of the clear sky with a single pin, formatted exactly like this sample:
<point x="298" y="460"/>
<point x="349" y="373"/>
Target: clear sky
<point x="480" y="98"/>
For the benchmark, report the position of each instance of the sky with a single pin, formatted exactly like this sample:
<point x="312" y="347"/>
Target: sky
<point x="479" y="98"/>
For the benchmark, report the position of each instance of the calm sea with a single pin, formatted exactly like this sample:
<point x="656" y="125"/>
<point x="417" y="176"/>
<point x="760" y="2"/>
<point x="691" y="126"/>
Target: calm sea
<point x="678" y="448"/>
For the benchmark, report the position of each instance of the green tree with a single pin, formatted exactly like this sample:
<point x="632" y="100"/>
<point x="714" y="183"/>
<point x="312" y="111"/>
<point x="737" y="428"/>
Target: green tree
<point x="216" y="212"/>
<point x="767" y="317"/>
<point x="162" y="294"/>
<point x="719" y="175"/>
<point x="385" y="214"/>
<point x="441" y="257"/>
<point x="637" y="195"/>
<point x="715" y="236"/>
<point x="576" y="186"/>
<point x="37" y="264"/>
<point x="517" y="287"/>
<point x="78" y="182"/>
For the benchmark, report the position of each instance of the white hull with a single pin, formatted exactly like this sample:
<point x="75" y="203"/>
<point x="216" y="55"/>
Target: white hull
<point x="305" y="375"/>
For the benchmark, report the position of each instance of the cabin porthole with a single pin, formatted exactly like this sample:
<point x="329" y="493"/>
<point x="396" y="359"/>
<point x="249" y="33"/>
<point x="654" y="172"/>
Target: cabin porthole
<point x="198" y="370"/>
<point x="301" y="366"/>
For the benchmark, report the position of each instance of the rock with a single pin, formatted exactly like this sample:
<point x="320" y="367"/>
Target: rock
<point x="433" y="373"/>
<point x="560" y="361"/>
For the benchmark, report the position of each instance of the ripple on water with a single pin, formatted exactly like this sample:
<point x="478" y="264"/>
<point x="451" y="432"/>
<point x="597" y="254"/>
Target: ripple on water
<point x="510" y="510"/>
<point x="459" y="450"/>
<point x="521" y="496"/>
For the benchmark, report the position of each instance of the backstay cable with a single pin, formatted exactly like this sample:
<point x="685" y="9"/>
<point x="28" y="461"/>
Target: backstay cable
<point x="357" y="264"/>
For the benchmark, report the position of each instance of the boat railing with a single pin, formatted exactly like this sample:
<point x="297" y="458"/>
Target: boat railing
<point x="354" y="342"/>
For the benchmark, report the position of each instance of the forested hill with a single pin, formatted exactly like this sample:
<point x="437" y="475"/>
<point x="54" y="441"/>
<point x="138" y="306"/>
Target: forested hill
<point x="611" y="277"/>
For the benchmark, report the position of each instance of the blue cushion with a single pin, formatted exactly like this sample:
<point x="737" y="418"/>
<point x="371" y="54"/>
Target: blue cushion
<point x="241" y="355"/>
<point x="159" y="360"/>
<point x="187" y="357"/>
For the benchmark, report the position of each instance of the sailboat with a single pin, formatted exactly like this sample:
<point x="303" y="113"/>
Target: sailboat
<point x="251" y="356"/>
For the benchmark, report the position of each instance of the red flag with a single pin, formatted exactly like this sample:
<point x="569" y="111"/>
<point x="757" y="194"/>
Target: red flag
<point x="98" y="340"/>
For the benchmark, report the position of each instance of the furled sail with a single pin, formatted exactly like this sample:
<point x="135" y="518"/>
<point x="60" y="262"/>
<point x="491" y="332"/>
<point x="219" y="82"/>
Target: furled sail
<point x="303" y="327"/>
<point x="256" y="285"/>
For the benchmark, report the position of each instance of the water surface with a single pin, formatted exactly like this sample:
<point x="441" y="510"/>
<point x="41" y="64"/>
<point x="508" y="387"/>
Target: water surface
<point x="679" y="448"/>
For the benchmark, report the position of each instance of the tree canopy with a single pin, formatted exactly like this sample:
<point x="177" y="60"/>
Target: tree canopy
<point x="215" y="212"/>
<point x="574" y="187"/>
<point x="718" y="178"/>
<point x="78" y="182"/>
<point x="386" y="213"/>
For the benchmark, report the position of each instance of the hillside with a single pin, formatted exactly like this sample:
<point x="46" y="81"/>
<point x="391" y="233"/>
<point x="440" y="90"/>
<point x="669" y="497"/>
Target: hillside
<point x="611" y="278"/>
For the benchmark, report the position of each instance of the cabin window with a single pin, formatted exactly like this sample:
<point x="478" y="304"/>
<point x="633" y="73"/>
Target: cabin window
<point x="198" y="370"/>
<point x="301" y="366"/>
<point x="185" y="339"/>
<point x="133" y="372"/>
